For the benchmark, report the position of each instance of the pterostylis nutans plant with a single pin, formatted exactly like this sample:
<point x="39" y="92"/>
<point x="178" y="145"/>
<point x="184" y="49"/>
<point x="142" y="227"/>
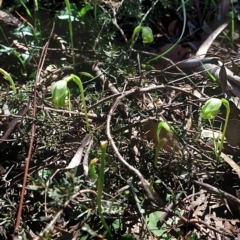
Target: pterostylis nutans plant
<point x="161" y="142"/>
<point x="9" y="78"/>
<point x="100" y="185"/>
<point x="61" y="92"/>
<point x="208" y="112"/>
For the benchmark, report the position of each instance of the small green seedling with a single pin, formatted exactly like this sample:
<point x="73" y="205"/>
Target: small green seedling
<point x="160" y="142"/>
<point x="209" y="111"/>
<point x="100" y="183"/>
<point x="9" y="78"/>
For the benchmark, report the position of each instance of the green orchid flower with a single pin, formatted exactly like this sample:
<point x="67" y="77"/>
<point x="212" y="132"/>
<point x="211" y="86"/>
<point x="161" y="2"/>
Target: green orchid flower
<point x="211" y="108"/>
<point x="59" y="93"/>
<point x="147" y="35"/>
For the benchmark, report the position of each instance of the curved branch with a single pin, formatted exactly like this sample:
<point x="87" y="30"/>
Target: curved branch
<point x="109" y="117"/>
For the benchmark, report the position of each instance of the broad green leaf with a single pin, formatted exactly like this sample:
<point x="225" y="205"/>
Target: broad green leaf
<point x="152" y="221"/>
<point x="25" y="30"/>
<point x="116" y="224"/>
<point x="5" y="49"/>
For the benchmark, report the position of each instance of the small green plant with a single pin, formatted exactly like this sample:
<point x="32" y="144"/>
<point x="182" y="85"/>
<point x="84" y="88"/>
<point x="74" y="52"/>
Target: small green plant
<point x="22" y="58"/>
<point x="9" y="78"/>
<point x="25" y="30"/>
<point x="160" y="142"/>
<point x="100" y="183"/>
<point x="208" y="112"/>
<point x="92" y="169"/>
<point x="152" y="221"/>
<point x="60" y="92"/>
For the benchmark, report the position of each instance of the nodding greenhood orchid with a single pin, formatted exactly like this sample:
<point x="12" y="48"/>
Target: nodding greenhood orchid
<point x="59" y="93"/>
<point x="209" y="111"/>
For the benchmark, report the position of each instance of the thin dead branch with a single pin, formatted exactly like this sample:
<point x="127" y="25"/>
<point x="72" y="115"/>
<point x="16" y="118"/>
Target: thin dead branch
<point x="30" y="151"/>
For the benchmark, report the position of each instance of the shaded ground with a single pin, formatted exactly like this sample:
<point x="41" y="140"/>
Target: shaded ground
<point x="183" y="191"/>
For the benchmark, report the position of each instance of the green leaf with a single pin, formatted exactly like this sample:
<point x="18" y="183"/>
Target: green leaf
<point x="86" y="74"/>
<point x="147" y="35"/>
<point x="59" y="93"/>
<point x="211" y="108"/>
<point x="25" y="30"/>
<point x="127" y="236"/>
<point x="5" y="49"/>
<point x="116" y="224"/>
<point x="26" y="8"/>
<point x="9" y="78"/>
<point x="44" y="173"/>
<point x="193" y="236"/>
<point x="147" y="67"/>
<point x="25" y="57"/>
<point x="152" y="221"/>
<point x="84" y="10"/>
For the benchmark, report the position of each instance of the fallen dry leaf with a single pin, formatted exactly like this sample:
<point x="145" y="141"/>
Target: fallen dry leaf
<point x="178" y="53"/>
<point x="234" y="113"/>
<point x="173" y="29"/>
<point x="233" y="132"/>
<point x="234" y="166"/>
